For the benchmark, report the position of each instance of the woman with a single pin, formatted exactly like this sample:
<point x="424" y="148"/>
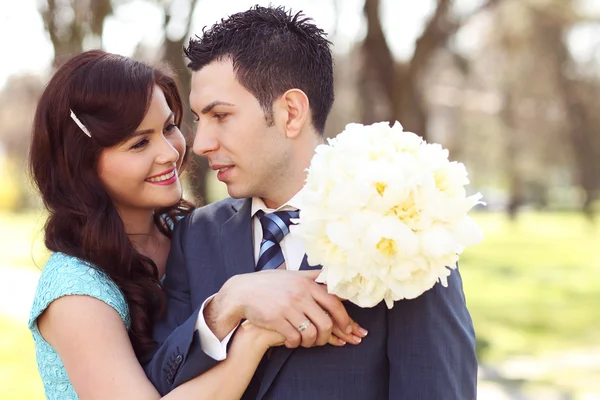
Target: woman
<point x="106" y="156"/>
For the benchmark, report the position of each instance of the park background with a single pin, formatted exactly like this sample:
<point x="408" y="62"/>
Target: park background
<point x="510" y="87"/>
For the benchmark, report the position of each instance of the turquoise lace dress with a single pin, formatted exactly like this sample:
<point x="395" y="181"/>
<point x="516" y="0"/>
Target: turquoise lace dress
<point x="64" y="275"/>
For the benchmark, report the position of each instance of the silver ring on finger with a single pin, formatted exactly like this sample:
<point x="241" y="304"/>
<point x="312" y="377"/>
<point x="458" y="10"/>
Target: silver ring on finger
<point x="303" y="326"/>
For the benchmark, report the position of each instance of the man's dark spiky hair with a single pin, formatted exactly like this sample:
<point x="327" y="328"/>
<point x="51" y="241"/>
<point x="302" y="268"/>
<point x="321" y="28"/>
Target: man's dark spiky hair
<point x="272" y="50"/>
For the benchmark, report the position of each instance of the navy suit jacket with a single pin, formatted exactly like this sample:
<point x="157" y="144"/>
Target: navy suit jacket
<point x="421" y="349"/>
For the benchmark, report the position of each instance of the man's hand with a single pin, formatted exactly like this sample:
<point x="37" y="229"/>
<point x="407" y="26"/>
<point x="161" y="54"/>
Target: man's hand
<point x="282" y="301"/>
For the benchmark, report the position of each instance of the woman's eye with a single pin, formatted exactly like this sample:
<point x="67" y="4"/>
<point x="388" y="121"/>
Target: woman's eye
<point x="220" y="117"/>
<point x="139" y="145"/>
<point x="170" y="128"/>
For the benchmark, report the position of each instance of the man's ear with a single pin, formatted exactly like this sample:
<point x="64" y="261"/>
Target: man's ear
<point x="292" y="112"/>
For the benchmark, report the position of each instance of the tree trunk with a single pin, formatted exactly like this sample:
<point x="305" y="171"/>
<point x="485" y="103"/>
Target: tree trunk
<point x="67" y="36"/>
<point x="581" y="128"/>
<point x="512" y="154"/>
<point x="378" y="75"/>
<point x="173" y="54"/>
<point x="399" y="86"/>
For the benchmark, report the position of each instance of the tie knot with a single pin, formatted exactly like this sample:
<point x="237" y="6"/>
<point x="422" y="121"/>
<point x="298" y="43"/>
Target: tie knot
<point x="277" y="224"/>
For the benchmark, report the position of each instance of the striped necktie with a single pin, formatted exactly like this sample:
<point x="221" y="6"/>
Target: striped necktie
<point x="274" y="226"/>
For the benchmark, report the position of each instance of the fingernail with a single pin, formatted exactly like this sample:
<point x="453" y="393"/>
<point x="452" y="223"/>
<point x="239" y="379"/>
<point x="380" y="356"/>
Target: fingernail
<point x="356" y="339"/>
<point x="363" y="331"/>
<point x="349" y="329"/>
<point x="342" y="342"/>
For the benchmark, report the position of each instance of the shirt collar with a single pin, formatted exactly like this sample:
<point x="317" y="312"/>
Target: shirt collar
<point x="295" y="203"/>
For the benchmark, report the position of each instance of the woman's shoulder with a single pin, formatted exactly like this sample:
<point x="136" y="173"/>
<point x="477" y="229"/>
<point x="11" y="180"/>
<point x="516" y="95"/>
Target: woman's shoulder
<point x="65" y="275"/>
<point x="63" y="263"/>
<point x="74" y="274"/>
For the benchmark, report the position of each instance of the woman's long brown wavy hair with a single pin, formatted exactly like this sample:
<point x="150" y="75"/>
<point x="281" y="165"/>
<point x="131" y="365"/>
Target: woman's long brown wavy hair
<point x="110" y="94"/>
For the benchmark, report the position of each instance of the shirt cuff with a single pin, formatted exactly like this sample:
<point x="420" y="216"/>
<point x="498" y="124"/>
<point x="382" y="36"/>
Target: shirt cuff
<point x="209" y="343"/>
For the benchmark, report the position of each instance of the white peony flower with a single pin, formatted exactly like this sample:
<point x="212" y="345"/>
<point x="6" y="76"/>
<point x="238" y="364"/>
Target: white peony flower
<point x="385" y="214"/>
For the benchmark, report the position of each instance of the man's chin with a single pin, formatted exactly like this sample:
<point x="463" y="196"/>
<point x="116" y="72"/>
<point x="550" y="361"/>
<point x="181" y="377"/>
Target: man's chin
<point x="236" y="193"/>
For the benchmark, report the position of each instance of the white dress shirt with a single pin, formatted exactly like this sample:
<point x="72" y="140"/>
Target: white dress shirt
<point x="293" y="253"/>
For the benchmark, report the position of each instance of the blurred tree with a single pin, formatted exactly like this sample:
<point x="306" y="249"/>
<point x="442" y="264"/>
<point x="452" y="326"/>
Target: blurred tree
<point x="512" y="40"/>
<point x="70" y="22"/>
<point x="394" y="90"/>
<point x="551" y="115"/>
<point x="17" y="104"/>
<point x="530" y="129"/>
<point x="513" y="153"/>
<point x="181" y="19"/>
<point x="574" y="90"/>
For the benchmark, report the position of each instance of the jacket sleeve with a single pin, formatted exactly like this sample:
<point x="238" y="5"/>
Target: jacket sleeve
<point x="178" y="356"/>
<point x="431" y="346"/>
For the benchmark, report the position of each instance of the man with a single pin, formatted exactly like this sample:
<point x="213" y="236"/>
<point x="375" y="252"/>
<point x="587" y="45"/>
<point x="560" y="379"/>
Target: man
<point x="262" y="87"/>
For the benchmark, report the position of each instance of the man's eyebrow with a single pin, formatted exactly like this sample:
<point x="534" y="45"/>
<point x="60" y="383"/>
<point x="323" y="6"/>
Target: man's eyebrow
<point x="212" y="105"/>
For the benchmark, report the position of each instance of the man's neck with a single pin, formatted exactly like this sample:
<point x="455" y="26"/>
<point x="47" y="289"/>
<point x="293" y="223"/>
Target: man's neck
<point x="280" y="199"/>
<point x="294" y="179"/>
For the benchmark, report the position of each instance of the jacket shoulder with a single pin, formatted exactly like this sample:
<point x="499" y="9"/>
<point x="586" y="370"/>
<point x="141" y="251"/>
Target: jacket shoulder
<point x="212" y="214"/>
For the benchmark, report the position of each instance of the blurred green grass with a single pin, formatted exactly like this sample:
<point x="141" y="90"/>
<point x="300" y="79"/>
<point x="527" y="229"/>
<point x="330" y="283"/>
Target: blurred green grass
<point x="532" y="286"/>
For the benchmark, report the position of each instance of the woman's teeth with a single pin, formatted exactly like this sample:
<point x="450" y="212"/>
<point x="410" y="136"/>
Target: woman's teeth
<point x="162" y="177"/>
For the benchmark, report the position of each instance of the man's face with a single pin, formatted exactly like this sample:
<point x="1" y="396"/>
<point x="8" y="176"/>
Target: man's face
<point x="232" y="133"/>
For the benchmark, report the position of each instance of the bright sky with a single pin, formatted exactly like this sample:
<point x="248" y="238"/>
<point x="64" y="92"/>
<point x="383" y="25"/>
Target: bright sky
<point x="25" y="46"/>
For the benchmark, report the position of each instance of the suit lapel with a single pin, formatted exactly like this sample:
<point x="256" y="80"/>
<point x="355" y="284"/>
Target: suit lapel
<point x="238" y="255"/>
<point x="305" y="267"/>
<point x="279" y="355"/>
<point x="236" y="240"/>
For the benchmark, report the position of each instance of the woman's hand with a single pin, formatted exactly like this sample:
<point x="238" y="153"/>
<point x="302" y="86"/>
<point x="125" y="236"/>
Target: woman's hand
<point x="263" y="338"/>
<point x="266" y="338"/>
<point x="340" y="338"/>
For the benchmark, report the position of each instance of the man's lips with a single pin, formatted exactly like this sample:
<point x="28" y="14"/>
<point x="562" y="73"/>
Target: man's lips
<point x="220" y="167"/>
<point x="223" y="171"/>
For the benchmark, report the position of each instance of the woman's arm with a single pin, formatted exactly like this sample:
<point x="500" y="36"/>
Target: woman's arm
<point x="230" y="378"/>
<point x="93" y="344"/>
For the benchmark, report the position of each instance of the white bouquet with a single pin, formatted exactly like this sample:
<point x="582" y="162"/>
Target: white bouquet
<point x="385" y="214"/>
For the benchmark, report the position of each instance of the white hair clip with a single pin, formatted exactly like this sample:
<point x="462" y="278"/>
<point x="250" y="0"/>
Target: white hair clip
<point x="80" y="124"/>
